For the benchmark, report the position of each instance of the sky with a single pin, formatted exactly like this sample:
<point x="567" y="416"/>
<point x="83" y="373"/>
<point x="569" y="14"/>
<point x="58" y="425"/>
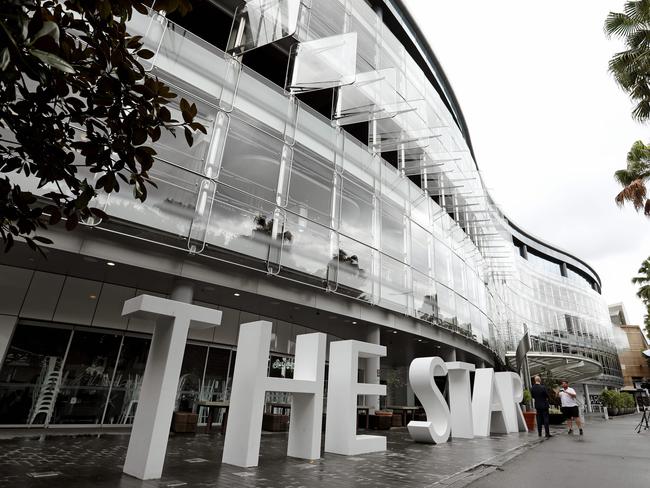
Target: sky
<point x="548" y="124"/>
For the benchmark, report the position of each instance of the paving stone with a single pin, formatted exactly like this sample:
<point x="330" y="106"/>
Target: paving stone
<point x="97" y="461"/>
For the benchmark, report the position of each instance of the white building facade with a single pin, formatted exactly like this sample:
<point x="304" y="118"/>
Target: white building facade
<point x="335" y="191"/>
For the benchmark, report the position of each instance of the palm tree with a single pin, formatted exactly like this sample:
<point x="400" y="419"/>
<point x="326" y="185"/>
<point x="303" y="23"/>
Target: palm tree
<point x="634" y="177"/>
<point x="643" y="279"/>
<point x="631" y="68"/>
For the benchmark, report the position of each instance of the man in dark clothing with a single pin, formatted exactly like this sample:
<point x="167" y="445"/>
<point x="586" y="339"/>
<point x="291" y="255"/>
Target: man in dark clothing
<point x="540" y="395"/>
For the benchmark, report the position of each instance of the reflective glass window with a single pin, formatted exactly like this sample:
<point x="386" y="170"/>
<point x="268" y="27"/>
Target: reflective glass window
<point x="310" y="188"/>
<point x="251" y="161"/>
<point x="420" y="250"/>
<point x="129" y="372"/>
<point x="357" y="209"/>
<point x="442" y="263"/>
<point x="392" y="230"/>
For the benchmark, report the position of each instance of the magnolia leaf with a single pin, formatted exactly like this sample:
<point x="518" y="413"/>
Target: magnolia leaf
<point x="49" y="29"/>
<point x="53" y="60"/>
<point x="5" y="58"/>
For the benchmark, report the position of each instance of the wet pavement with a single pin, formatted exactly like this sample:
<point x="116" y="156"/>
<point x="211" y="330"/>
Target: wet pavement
<point x="610" y="454"/>
<point x="194" y="460"/>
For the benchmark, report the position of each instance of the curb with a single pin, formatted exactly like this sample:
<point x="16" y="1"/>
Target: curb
<point x="484" y="468"/>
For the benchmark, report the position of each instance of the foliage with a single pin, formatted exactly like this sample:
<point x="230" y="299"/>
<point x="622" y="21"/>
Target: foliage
<point x="634" y="178"/>
<point x="643" y="280"/>
<point x="552" y="386"/>
<point x="527" y="397"/>
<point x="631" y="68"/>
<point x="75" y="98"/>
<point x="616" y="399"/>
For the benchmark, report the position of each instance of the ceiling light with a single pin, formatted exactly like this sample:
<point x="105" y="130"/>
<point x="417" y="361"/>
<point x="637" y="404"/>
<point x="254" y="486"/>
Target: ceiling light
<point x="394" y="332"/>
<point x="354" y="323"/>
<point x="419" y="340"/>
<point x="110" y="263"/>
<point x="236" y="294"/>
<point x="92" y="297"/>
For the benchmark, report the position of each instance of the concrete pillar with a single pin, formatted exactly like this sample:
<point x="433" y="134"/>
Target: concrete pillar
<point x="7" y="326"/>
<point x="587" y="398"/>
<point x="372" y="368"/>
<point x="148" y="442"/>
<point x="450" y="357"/>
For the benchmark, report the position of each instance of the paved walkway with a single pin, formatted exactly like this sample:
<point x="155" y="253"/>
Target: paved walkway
<point x="194" y="461"/>
<point x="610" y="454"/>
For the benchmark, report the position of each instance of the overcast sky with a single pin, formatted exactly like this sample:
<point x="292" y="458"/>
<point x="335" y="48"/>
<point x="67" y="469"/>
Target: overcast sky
<point x="548" y="124"/>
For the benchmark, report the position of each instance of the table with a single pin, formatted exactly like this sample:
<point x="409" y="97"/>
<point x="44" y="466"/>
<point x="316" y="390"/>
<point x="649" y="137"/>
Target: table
<point x="366" y="412"/>
<point x="212" y="406"/>
<point x="404" y="411"/>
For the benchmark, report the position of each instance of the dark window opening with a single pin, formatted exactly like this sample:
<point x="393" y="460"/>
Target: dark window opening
<point x="320" y="100"/>
<point x="206" y="20"/>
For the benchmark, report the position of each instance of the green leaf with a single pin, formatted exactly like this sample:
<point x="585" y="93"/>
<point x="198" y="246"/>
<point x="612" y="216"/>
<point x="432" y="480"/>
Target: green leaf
<point x="49" y="29"/>
<point x="54" y="61"/>
<point x="145" y="54"/>
<point x="5" y="58"/>
<point x="188" y="136"/>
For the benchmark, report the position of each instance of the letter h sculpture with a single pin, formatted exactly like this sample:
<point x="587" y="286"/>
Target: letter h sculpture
<point x="250" y="384"/>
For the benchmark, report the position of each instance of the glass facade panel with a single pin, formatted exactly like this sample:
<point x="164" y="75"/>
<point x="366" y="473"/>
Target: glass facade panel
<point x="446" y="305"/>
<point x="394" y="291"/>
<point x="357" y="209"/>
<point x="251" y="161"/>
<point x="392" y="231"/>
<point x="189" y="384"/>
<point x="442" y="263"/>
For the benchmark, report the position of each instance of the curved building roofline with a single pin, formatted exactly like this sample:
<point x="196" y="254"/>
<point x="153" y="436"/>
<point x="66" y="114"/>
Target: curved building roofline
<point x="408" y="23"/>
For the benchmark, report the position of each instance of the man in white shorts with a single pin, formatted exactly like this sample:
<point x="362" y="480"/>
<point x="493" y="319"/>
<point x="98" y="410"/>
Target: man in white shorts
<point x="570" y="406"/>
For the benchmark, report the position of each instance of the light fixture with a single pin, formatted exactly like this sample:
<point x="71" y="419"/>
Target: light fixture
<point x="92" y="297"/>
<point x="419" y="340"/>
<point x="354" y="323"/>
<point x="236" y="294"/>
<point x="394" y="332"/>
<point x="110" y="263"/>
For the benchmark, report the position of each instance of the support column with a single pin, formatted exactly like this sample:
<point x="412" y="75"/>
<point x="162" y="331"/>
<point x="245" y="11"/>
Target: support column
<point x="587" y="398"/>
<point x="7" y="326"/>
<point x="372" y="368"/>
<point x="450" y="357"/>
<point x="148" y="442"/>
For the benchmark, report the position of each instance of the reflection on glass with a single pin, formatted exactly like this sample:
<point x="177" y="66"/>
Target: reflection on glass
<point x="129" y="372"/>
<point x="446" y="305"/>
<point x="392" y="231"/>
<point x="394" y="292"/>
<point x="424" y="297"/>
<point x="87" y="376"/>
<point x="357" y="209"/>
<point x="189" y="383"/>
<point x="351" y="268"/>
<point x="260" y="22"/>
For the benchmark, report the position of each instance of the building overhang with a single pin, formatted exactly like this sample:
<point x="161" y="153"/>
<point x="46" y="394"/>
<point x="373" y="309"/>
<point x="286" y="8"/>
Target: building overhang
<point x="570" y="367"/>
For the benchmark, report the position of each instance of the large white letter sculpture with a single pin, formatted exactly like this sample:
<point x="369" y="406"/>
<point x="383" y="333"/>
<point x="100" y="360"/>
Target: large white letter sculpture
<point x="343" y="388"/>
<point x="148" y="442"/>
<point x="511" y="393"/>
<point x="460" y="399"/>
<point x="487" y="409"/>
<point x="250" y="384"/>
<point x="421" y="376"/>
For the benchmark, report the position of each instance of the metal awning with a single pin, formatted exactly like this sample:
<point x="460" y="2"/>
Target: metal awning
<point x="573" y="368"/>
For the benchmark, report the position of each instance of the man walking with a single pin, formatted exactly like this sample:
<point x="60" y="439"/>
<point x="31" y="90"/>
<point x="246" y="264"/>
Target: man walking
<point x="570" y="406"/>
<point x="540" y="395"/>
